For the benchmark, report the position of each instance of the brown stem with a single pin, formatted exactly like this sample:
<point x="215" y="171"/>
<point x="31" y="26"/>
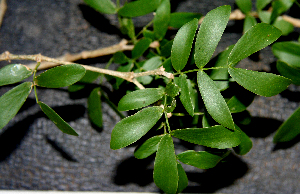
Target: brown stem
<point x="3" y="7"/>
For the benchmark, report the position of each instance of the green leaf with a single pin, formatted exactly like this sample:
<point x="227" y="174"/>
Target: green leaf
<point x="185" y="94"/>
<point x="235" y="105"/>
<point x="12" y="101"/>
<point x="255" y="39"/>
<point x="60" y="76"/>
<point x="249" y="22"/>
<point x="172" y="106"/>
<point x="148" y="147"/>
<point x="210" y="33"/>
<point x="182" y="44"/>
<point x="165" y="173"/>
<point x="183" y="179"/>
<point x="94" y="107"/>
<point x="138" y="8"/>
<point x="152" y="63"/>
<point x="13" y="73"/>
<point x="260" y="4"/>
<point x="288" y="52"/>
<point x="120" y="57"/>
<point x="261" y="83"/>
<point x="178" y="19"/>
<point x="288" y="71"/>
<point x="162" y="19"/>
<point x="279" y="7"/>
<point x="141" y="47"/>
<point x="289" y="129"/>
<point x="127" y="27"/>
<point x="214" y="137"/>
<point x="103" y="6"/>
<point x="214" y="101"/>
<point x="149" y="34"/>
<point x="245" y="145"/>
<point x="140" y="98"/>
<point x="172" y="89"/>
<point x="123" y="68"/>
<point x="244" y="5"/>
<point x="202" y="159"/>
<point x="57" y="120"/>
<point x="132" y="128"/>
<point x="166" y="49"/>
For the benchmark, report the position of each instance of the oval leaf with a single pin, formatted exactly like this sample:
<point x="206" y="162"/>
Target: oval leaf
<point x="57" y="120"/>
<point x="261" y="83"/>
<point x="245" y="145"/>
<point x="138" y="8"/>
<point x="183" y="179"/>
<point x="288" y="52"/>
<point x="148" y="147"/>
<point x="182" y="44"/>
<point x="13" y="73"/>
<point x="249" y="22"/>
<point x="214" y="101"/>
<point x="165" y="173"/>
<point x="132" y="128"/>
<point x="178" y="19"/>
<point x="185" y="94"/>
<point x="214" y="137"/>
<point x="289" y="72"/>
<point x="255" y="39"/>
<point x="60" y="76"/>
<point x="12" y="101"/>
<point x="152" y="63"/>
<point x="289" y="129"/>
<point x="172" y="89"/>
<point x="140" y="47"/>
<point x="210" y="33"/>
<point x="94" y="107"/>
<point x="161" y="19"/>
<point x="140" y="98"/>
<point x="202" y="159"/>
<point x="103" y="6"/>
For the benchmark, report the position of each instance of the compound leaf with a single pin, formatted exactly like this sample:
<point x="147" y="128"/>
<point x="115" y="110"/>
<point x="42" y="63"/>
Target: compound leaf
<point x="132" y="128"/>
<point x="141" y="47"/>
<point x="14" y="73"/>
<point x="289" y="129"/>
<point x="183" y="179"/>
<point x="138" y="8"/>
<point x="178" y="19"/>
<point x="214" y="102"/>
<point x="202" y="159"/>
<point x="161" y="19"/>
<point x="214" y="137"/>
<point x="140" y="98"/>
<point x="103" y="6"/>
<point x="182" y="44"/>
<point x="185" y="94"/>
<point x="57" y="120"/>
<point x="165" y="173"/>
<point x="246" y="143"/>
<point x="60" y="76"/>
<point x="94" y="107"/>
<point x="148" y="147"/>
<point x="288" y="52"/>
<point x="255" y="39"/>
<point x="261" y="83"/>
<point x="288" y="71"/>
<point x="210" y="33"/>
<point x="12" y="101"/>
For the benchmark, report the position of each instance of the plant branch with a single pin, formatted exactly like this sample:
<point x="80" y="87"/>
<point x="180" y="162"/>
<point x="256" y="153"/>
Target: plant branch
<point x="3" y="7"/>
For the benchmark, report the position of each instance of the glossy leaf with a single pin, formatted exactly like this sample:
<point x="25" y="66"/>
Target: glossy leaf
<point x="148" y="147"/>
<point x="210" y="33"/>
<point x="182" y="44"/>
<point x="214" y="101"/>
<point x="132" y="128"/>
<point x="288" y="71"/>
<point x="185" y="94"/>
<point x="260" y="4"/>
<point x="172" y="89"/>
<point x="249" y="22"/>
<point x="165" y="173"/>
<point x="178" y="19"/>
<point x="288" y="52"/>
<point x="141" y="47"/>
<point x="261" y="83"/>
<point x="244" y="5"/>
<point x="60" y="76"/>
<point x="140" y="98"/>
<point x="14" y="73"/>
<point x="255" y="39"/>
<point x="12" y="101"/>
<point x="94" y="107"/>
<point x="57" y="120"/>
<point x="161" y="19"/>
<point x="246" y="143"/>
<point x="202" y="159"/>
<point x="214" y="137"/>
<point x="289" y="129"/>
<point x="103" y="6"/>
<point x="152" y="63"/>
<point x="183" y="179"/>
<point x="138" y="8"/>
